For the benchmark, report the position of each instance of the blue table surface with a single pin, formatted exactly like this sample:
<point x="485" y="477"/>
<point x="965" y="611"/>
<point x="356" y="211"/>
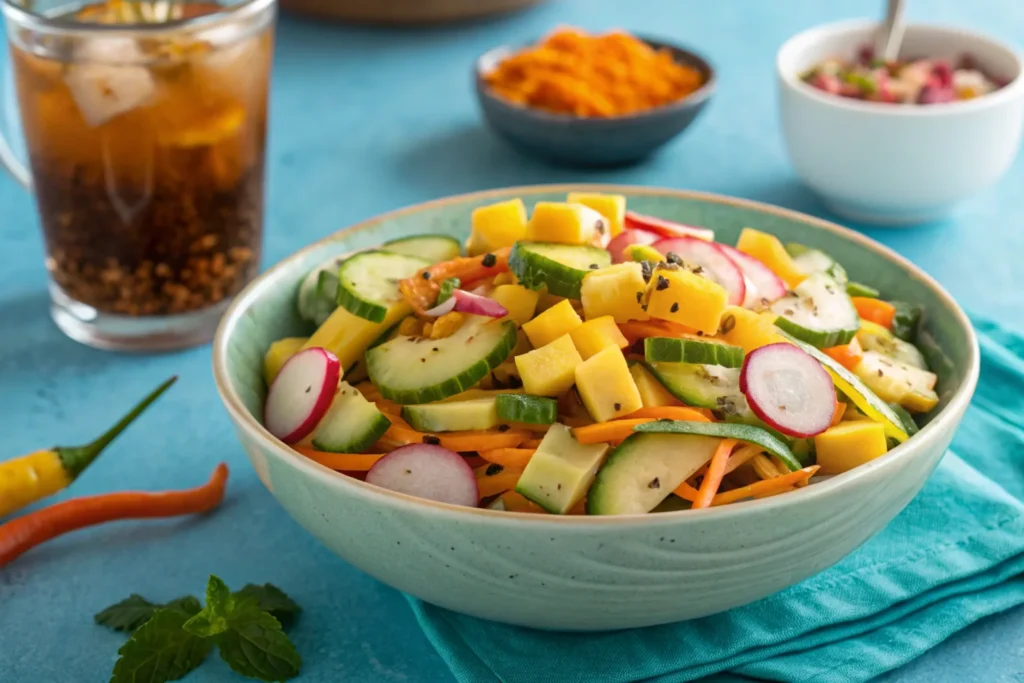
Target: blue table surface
<point x="363" y="121"/>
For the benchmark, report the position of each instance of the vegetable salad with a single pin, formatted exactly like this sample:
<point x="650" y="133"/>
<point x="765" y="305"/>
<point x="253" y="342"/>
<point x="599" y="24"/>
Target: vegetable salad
<point x="586" y="359"/>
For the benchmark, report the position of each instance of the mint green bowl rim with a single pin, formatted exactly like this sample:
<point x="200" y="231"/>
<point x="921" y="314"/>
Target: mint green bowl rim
<point x="952" y="412"/>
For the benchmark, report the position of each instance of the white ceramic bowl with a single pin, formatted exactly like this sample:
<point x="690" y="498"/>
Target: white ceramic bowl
<point x="898" y="164"/>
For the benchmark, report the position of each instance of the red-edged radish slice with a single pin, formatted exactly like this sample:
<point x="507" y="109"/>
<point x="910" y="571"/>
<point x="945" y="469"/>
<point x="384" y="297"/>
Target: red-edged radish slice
<point x="437" y="311"/>
<point x="767" y="284"/>
<point x="665" y="228"/>
<point x="788" y="389"/>
<point x="618" y="244"/>
<point x="301" y="394"/>
<point x="426" y="471"/>
<point x="467" y="302"/>
<point x="712" y="260"/>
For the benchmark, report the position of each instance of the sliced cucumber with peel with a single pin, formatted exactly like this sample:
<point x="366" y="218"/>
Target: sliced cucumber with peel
<point x="368" y="282"/>
<point x="703" y="386"/>
<point x="874" y="337"/>
<point x="813" y="261"/>
<point x="411" y="370"/>
<point x="558" y="267"/>
<point x="317" y="296"/>
<point x="906" y="321"/>
<point x="726" y="430"/>
<point x="351" y="425"/>
<point x="527" y="409"/>
<point x="858" y="289"/>
<point x="685" y="350"/>
<point x="818" y="311"/>
<point x="434" y="248"/>
<point x="452" y="416"/>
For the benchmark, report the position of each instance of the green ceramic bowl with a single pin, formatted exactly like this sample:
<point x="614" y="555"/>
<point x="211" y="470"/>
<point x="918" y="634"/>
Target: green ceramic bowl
<point x="593" y="573"/>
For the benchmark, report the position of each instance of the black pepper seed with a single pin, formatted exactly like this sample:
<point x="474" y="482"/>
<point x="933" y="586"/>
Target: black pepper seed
<point x="662" y="283"/>
<point x="599" y="226"/>
<point x="728" y="323"/>
<point x="559" y="487"/>
<point x="426" y="275"/>
<point x="435" y="349"/>
<point x="493" y="469"/>
<point x="654" y="484"/>
<point x="675" y="307"/>
<point x="423" y="360"/>
<point x="594" y="266"/>
<point x="698" y="270"/>
<point x="432" y="440"/>
<point x="408" y="471"/>
<point x="673" y="257"/>
<point x="647" y="269"/>
<point x="618" y="407"/>
<point x="309" y="389"/>
<point x="639" y="297"/>
<point x="880" y="373"/>
<point x="503" y="428"/>
<point x="489" y="260"/>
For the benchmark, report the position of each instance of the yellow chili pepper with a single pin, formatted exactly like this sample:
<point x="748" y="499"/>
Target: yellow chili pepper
<point x="26" y="479"/>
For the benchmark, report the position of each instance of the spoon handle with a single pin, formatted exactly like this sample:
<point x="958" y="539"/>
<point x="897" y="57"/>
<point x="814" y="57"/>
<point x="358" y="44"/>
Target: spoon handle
<point x="890" y="33"/>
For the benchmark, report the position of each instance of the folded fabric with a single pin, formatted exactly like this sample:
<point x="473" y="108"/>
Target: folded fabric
<point x="953" y="556"/>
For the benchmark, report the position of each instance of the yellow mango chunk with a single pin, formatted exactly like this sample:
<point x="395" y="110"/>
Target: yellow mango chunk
<point x="683" y="297"/>
<point x="652" y="393"/>
<point x="560" y="319"/>
<point x="564" y="223"/>
<point x="769" y="250"/>
<point x="742" y="327"/>
<point x="551" y="369"/>
<point x="597" y="334"/>
<point x="278" y="353"/>
<point x="520" y="301"/>
<point x="497" y="225"/>
<point x="347" y="336"/>
<point x="849" y="444"/>
<point x="611" y="206"/>
<point x="606" y="386"/>
<point x="616" y="291"/>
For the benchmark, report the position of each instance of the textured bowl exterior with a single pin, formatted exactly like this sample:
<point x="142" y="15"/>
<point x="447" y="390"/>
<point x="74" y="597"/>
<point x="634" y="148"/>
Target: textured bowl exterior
<point x="586" y="573"/>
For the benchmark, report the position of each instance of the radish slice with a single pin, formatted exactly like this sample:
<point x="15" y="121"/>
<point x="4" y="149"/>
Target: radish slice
<point x="426" y="471"/>
<point x="665" y="228"/>
<point x="617" y="246"/>
<point x="301" y="394"/>
<point x="467" y="302"/>
<point x="788" y="389"/>
<point x="437" y="311"/>
<point x="712" y="260"/>
<point x="767" y="284"/>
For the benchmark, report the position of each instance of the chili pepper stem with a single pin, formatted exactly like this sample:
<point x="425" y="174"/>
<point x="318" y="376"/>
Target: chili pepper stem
<point x="76" y="458"/>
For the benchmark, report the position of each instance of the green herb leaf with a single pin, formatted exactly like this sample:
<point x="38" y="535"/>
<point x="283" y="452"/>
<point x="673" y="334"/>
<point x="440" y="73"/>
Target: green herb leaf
<point x="271" y="599"/>
<point x="160" y="650"/>
<point x="135" y="610"/>
<point x="255" y="645"/>
<point x="212" y="620"/>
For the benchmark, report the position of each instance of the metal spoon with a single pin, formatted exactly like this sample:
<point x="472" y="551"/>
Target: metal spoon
<point x="890" y="33"/>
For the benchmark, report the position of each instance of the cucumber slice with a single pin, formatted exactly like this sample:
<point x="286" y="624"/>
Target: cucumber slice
<point x="727" y="430"/>
<point x="368" y="282"/>
<point x="434" y="248"/>
<point x="536" y="410"/>
<point x="906" y="321"/>
<point x="858" y="393"/>
<point x="703" y="386"/>
<point x="909" y="425"/>
<point x="351" y="425"/>
<point x="559" y="267"/>
<point x="316" y="299"/>
<point x="644" y="470"/>
<point x="813" y="261"/>
<point x="447" y="287"/>
<point x="818" y="311"/>
<point x="874" y="337"/>
<point x="418" y="370"/>
<point x="858" y="289"/>
<point x="672" y="504"/>
<point x="454" y="416"/>
<point x="676" y="350"/>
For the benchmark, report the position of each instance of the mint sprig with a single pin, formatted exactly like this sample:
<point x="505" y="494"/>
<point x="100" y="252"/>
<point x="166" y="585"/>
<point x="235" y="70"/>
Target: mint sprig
<point x="172" y="639"/>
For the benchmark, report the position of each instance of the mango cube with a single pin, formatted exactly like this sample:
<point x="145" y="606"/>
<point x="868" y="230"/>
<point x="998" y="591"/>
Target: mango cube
<point x="652" y="392"/>
<point x="606" y="386"/>
<point x="520" y="301"/>
<point x="278" y="354"/>
<point x="564" y="223"/>
<point x="597" y="334"/>
<point x="558" y="320"/>
<point x="617" y="291"/>
<point x="611" y="206"/>
<point x="681" y="296"/>
<point x="742" y="327"/>
<point x="496" y="226"/>
<point x="551" y="369"/>
<point x="849" y="444"/>
<point x="769" y="250"/>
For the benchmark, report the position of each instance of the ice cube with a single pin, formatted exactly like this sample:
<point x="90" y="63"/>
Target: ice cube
<point x="106" y="79"/>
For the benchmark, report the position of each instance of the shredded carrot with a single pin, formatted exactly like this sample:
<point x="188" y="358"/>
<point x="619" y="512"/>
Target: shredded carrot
<point x="875" y="310"/>
<point x="764" y="467"/>
<point x="741" y="456"/>
<point x="847" y="355"/>
<point x="474" y="461"/>
<point x="681" y="413"/>
<point x="613" y="74"/>
<point x="509" y="457"/>
<point x="515" y="502"/>
<point x="531" y="443"/>
<point x="837" y="413"/>
<point x="458" y="441"/>
<point x="716" y="471"/>
<point x="635" y="330"/>
<point x="580" y="508"/>
<point x="420" y="290"/>
<point x="767" y="487"/>
<point x="686" y="492"/>
<point x="490" y="485"/>
<point x="343" y="462"/>
<point x="603" y="432"/>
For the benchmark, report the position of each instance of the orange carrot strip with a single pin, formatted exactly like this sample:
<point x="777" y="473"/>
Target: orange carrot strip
<point x="837" y="413"/>
<point x="26" y="532"/>
<point x="716" y="471"/>
<point x="875" y="310"/>
<point x="458" y="441"/>
<point x="531" y="443"/>
<point x="602" y="432"/>
<point x="686" y="492"/>
<point x="515" y="502"/>
<point x="681" y="413"/>
<point x="421" y="292"/>
<point x="634" y="330"/>
<point x="343" y="462"/>
<point x="474" y="461"/>
<point x="767" y="487"/>
<point x="847" y="355"/>
<point x="496" y="483"/>
<point x="509" y="457"/>
<point x="741" y="456"/>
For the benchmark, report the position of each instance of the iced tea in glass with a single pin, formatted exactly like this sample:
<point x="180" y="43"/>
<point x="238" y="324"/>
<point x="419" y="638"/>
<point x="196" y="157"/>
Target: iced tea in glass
<point x="145" y="126"/>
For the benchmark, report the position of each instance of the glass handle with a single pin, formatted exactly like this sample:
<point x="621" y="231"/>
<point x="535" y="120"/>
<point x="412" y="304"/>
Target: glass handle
<point x="8" y="160"/>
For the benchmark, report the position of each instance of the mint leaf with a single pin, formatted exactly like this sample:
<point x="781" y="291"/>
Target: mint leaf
<point x="271" y="599"/>
<point x="160" y="650"/>
<point x="255" y="645"/>
<point x="135" y="610"/>
<point x="212" y="620"/>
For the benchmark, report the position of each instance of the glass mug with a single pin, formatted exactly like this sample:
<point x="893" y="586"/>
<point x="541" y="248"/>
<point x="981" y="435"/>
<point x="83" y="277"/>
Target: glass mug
<point x="145" y="126"/>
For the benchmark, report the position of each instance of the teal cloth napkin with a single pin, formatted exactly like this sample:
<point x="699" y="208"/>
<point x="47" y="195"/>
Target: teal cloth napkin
<point x="953" y="556"/>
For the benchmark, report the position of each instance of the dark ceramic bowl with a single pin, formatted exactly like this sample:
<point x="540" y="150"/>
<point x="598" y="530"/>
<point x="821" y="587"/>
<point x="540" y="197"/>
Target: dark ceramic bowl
<point x="589" y="142"/>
